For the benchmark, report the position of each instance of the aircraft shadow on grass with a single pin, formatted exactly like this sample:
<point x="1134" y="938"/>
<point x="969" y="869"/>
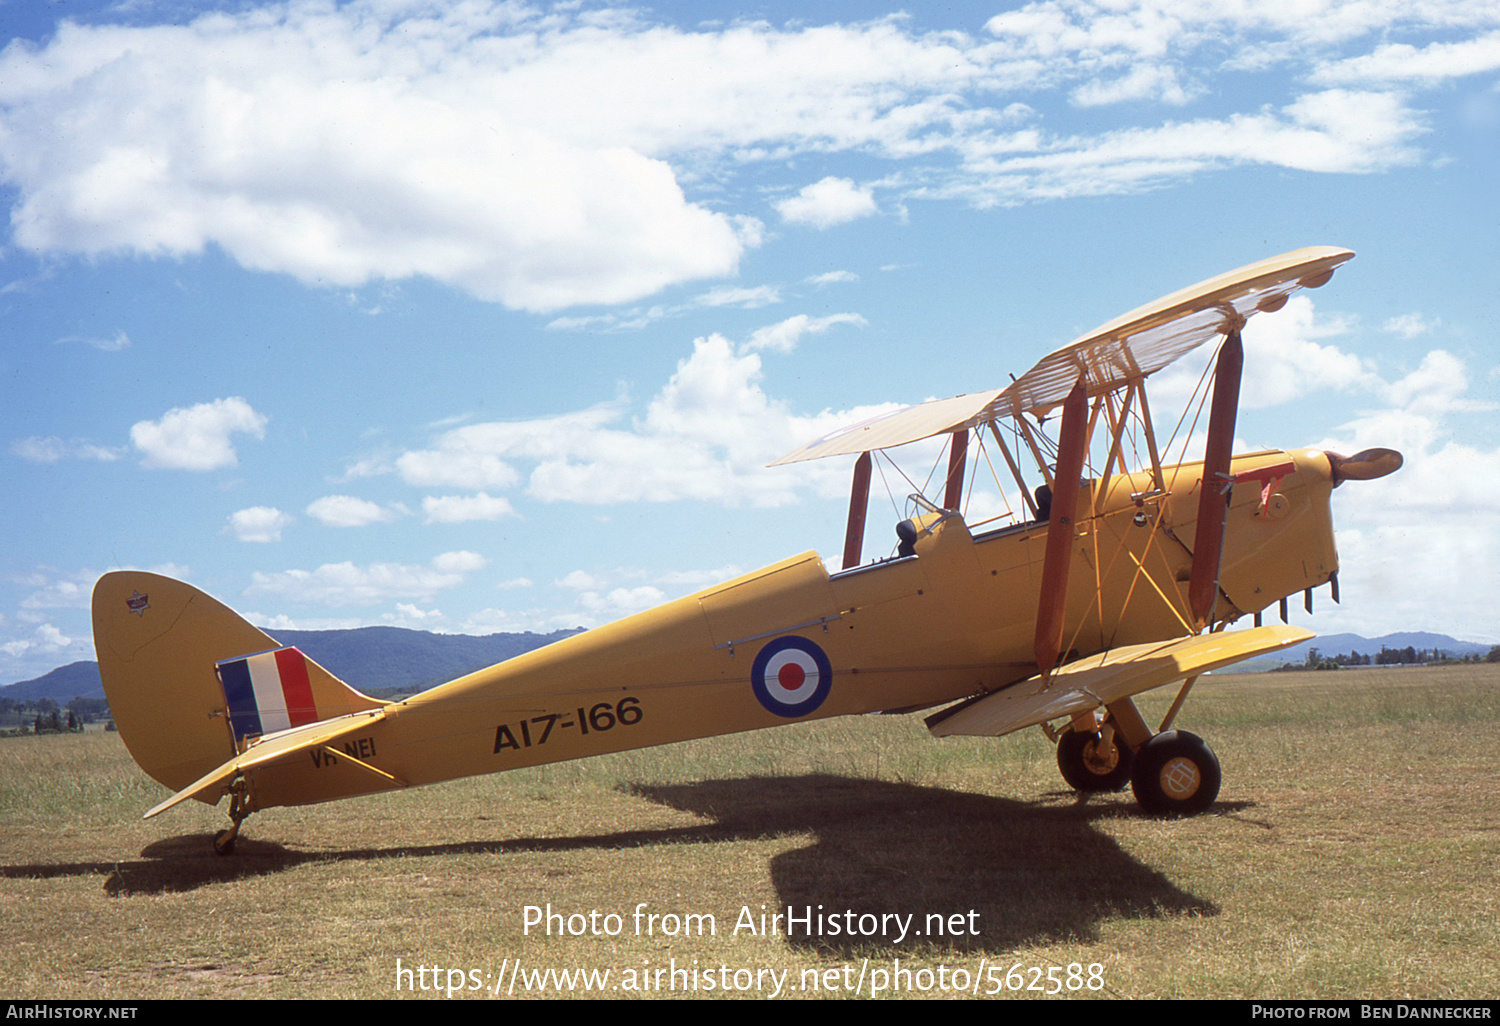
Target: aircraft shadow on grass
<point x="1034" y="872"/>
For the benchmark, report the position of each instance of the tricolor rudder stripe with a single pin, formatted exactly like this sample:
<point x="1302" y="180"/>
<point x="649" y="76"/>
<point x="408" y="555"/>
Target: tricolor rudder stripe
<point x="791" y="676"/>
<point x="267" y="692"/>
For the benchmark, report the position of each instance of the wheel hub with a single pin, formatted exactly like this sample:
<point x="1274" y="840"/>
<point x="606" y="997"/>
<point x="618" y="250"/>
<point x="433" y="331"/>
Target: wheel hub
<point x="1180" y="778"/>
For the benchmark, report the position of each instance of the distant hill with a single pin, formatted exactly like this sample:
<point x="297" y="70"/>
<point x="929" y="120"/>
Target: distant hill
<point x="378" y="660"/>
<point x="381" y="660"/>
<point x="396" y="658"/>
<point x="62" y="685"/>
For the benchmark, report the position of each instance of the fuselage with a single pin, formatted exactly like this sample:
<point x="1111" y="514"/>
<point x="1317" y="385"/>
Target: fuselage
<point x="791" y="642"/>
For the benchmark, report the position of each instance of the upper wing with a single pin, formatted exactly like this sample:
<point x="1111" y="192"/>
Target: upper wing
<point x="1107" y="677"/>
<point x="909" y="424"/>
<point x="1127" y="348"/>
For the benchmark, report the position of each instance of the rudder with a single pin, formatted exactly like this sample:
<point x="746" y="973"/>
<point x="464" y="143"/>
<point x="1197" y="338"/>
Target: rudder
<point x="159" y="642"/>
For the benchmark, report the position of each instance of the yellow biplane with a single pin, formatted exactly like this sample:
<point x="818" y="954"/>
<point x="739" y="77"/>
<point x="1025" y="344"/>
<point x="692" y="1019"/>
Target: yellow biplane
<point x="1112" y="575"/>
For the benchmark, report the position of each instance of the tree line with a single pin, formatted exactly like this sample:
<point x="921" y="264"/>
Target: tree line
<point x="1408" y="656"/>
<point x="41" y="715"/>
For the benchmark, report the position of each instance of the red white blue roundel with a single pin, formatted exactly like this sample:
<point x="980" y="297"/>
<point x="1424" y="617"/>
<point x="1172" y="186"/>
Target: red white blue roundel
<point x="791" y="676"/>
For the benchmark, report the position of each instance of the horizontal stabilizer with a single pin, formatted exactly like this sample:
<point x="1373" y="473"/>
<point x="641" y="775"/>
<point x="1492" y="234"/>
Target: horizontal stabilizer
<point x="1107" y="677"/>
<point x="268" y="749"/>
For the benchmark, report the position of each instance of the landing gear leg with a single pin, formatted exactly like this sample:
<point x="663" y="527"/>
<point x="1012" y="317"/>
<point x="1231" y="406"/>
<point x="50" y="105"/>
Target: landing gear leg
<point x="238" y="811"/>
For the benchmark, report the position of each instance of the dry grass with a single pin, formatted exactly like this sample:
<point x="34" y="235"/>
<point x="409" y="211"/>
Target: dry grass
<point x="1353" y="853"/>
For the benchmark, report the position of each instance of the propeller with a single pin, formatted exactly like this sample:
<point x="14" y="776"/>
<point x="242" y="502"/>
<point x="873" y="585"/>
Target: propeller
<point x="1364" y="466"/>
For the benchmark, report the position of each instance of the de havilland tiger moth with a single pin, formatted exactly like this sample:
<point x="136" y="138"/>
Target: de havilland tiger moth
<point x="1114" y="574"/>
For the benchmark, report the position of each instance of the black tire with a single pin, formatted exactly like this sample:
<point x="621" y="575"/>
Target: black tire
<point x="1176" y="773"/>
<point x="224" y="842"/>
<point x="1087" y="764"/>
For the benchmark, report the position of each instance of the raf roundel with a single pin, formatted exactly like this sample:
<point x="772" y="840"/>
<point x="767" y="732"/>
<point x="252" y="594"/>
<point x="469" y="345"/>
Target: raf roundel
<point x="791" y="676"/>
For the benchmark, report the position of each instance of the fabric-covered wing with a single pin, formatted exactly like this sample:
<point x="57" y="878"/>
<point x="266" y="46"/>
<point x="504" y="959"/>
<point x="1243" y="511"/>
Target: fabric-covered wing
<point x="1127" y="348"/>
<point x="908" y="424"/>
<point x="1153" y="336"/>
<point x="1107" y="677"/>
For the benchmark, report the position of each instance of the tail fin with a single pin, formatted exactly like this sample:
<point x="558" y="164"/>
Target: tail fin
<point x="160" y="642"/>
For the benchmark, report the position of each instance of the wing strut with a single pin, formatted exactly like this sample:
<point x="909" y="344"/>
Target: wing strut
<point x="958" y="451"/>
<point x="1215" y="486"/>
<point x="859" y="503"/>
<point x="1072" y="440"/>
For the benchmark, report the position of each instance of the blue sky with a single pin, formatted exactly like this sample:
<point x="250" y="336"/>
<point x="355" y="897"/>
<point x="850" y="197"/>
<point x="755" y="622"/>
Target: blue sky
<point x="484" y="316"/>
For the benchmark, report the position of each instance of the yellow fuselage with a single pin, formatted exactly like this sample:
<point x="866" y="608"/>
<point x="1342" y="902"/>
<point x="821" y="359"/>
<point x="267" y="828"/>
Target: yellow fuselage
<point x="954" y="620"/>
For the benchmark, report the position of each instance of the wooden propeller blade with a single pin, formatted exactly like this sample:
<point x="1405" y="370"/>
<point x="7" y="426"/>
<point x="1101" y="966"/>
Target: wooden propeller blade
<point x="1364" y="466"/>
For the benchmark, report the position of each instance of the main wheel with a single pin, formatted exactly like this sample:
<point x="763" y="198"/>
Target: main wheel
<point x="1089" y="763"/>
<point x="1175" y="772"/>
<point x="224" y="842"/>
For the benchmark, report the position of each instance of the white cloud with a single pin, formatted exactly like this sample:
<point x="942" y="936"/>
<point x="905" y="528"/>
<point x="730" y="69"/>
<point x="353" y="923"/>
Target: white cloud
<point x="603" y="322"/>
<point x="51" y="449"/>
<point x="828" y="202"/>
<point x="1424" y="538"/>
<point x="1285" y="360"/>
<point x="257" y="524"/>
<point x="56" y="590"/>
<point x="748" y="298"/>
<point x="385" y="145"/>
<point x="696" y="580"/>
<point x="337" y="584"/>
<point x="408" y="615"/>
<point x="784" y="335"/>
<point x="533" y="157"/>
<point x="832" y="277"/>
<point x="494" y="621"/>
<point x="372" y="466"/>
<point x="197" y="438"/>
<point x="455" y="468"/>
<point x="1085" y="37"/>
<point x="1142" y="82"/>
<point x="618" y="602"/>
<point x="1402" y="62"/>
<point x="1333" y="132"/>
<point x="281" y="622"/>
<point x="458" y="509"/>
<point x="45" y="639"/>
<point x="580" y="580"/>
<point x="461" y="562"/>
<point x="106" y="345"/>
<point x="608" y="596"/>
<point x="1436" y="387"/>
<point x="636" y="318"/>
<point x="706" y="435"/>
<point x="348" y="511"/>
<point x="1411" y="325"/>
<point x="474" y="456"/>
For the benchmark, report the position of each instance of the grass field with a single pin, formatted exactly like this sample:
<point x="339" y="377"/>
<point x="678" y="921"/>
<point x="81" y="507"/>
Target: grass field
<point x="1354" y="852"/>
